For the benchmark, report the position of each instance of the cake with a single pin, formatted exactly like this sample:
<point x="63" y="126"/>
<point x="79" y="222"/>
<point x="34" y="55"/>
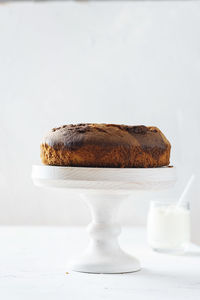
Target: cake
<point x="105" y="145"/>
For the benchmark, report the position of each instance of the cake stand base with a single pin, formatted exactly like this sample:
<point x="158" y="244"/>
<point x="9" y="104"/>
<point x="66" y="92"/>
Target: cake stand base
<point x="104" y="254"/>
<point x="117" y="262"/>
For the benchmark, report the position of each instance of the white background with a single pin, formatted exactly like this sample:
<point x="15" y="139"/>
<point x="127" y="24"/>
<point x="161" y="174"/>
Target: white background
<point x="113" y="62"/>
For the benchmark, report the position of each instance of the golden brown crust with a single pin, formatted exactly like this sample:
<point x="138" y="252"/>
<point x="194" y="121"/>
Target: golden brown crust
<point x="105" y="145"/>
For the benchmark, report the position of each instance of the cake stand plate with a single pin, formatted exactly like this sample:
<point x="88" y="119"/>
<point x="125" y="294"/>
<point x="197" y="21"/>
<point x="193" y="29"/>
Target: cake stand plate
<point x="103" y="190"/>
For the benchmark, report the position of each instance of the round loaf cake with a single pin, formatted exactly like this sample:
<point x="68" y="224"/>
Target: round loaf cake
<point x="105" y="145"/>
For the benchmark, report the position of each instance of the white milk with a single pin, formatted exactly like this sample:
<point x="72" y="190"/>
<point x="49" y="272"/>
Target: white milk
<point x="168" y="227"/>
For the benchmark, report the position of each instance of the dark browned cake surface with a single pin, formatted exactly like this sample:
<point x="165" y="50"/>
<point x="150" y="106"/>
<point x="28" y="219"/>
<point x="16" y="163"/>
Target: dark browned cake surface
<point x="105" y="145"/>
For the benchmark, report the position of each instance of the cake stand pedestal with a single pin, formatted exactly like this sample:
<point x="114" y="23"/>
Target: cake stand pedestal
<point x="103" y="190"/>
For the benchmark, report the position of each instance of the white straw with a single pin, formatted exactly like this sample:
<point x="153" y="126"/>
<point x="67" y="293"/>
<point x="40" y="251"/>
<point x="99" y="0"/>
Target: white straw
<point x="183" y="195"/>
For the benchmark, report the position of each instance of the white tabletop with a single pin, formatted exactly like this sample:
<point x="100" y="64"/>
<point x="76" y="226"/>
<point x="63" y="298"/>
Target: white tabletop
<point x="33" y="266"/>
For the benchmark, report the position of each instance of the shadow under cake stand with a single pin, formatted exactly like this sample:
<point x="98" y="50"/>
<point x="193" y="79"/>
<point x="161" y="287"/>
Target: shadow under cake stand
<point x="103" y="189"/>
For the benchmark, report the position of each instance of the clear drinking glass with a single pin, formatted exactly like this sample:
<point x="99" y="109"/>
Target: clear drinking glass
<point x="168" y="226"/>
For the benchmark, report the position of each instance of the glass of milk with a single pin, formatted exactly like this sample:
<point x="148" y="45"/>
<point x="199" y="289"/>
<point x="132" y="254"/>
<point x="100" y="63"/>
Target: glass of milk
<point x="168" y="226"/>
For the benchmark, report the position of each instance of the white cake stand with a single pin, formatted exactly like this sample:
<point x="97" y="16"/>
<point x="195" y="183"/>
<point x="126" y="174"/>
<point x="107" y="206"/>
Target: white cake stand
<point x="103" y="189"/>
